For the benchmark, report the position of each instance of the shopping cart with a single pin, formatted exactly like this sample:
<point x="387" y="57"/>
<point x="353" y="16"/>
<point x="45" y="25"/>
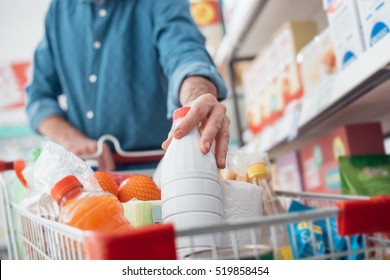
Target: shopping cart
<point x="32" y="237"/>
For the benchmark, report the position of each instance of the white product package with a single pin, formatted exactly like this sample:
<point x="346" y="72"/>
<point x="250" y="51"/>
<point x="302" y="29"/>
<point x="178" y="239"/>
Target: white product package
<point x="375" y="18"/>
<point x="241" y="200"/>
<point x="345" y="27"/>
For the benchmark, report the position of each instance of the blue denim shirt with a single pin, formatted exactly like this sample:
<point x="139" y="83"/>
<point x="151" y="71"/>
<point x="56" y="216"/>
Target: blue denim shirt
<point x="120" y="63"/>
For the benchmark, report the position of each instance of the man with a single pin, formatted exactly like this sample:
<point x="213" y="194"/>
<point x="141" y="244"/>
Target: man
<point x="119" y="62"/>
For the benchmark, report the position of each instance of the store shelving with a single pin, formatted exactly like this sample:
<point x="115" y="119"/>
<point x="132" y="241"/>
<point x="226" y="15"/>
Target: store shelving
<point x="360" y="93"/>
<point x="254" y="21"/>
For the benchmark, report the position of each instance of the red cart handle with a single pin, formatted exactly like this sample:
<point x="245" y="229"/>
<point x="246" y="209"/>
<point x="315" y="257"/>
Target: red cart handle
<point x="5" y="165"/>
<point x="17" y="166"/>
<point x="155" y="242"/>
<point x="364" y="216"/>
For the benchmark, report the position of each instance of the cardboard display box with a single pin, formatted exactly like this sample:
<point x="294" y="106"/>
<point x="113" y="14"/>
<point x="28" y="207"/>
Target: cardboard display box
<point x="319" y="160"/>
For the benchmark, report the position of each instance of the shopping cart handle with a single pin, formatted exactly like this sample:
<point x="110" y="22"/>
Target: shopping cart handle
<point x="364" y="216"/>
<point x="156" y="242"/>
<point x="120" y="151"/>
<point x="18" y="166"/>
<point x="6" y="165"/>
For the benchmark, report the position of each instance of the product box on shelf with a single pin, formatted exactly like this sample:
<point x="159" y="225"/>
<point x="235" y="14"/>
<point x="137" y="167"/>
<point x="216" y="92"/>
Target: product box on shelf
<point x="318" y="71"/>
<point x="288" y="173"/>
<point x="287" y="41"/>
<point x="346" y="30"/>
<point x="375" y="19"/>
<point x="319" y="160"/>
<point x="254" y="113"/>
<point x="273" y="77"/>
<point x="254" y="84"/>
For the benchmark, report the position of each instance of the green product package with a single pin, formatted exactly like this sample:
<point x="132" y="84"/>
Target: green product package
<point x="367" y="175"/>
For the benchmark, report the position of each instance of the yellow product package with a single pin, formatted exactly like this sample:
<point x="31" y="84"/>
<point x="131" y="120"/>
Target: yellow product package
<point x="141" y="213"/>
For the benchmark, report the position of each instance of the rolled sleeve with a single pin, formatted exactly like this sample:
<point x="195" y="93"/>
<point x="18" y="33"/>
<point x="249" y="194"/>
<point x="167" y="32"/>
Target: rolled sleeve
<point x="182" y="50"/>
<point x="45" y="87"/>
<point x="206" y="70"/>
<point x="42" y="109"/>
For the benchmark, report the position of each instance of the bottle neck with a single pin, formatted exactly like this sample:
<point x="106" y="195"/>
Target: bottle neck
<point x="71" y="194"/>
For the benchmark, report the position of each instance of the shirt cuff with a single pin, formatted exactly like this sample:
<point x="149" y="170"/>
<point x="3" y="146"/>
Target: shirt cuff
<point x="194" y="69"/>
<point x="42" y="109"/>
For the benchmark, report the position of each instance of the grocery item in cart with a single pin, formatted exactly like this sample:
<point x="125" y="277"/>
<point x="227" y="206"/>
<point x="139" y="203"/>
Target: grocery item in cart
<point x="138" y="186"/>
<point x="255" y="168"/>
<point x="320" y="237"/>
<point x="241" y="200"/>
<point x="55" y="163"/>
<point x="107" y="183"/>
<point x="87" y="210"/>
<point x="190" y="187"/>
<point x="308" y="237"/>
<point x="367" y="175"/>
<point x="141" y="213"/>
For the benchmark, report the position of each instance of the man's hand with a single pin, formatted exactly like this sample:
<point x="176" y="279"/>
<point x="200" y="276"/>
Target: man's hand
<point x="61" y="132"/>
<point x="207" y="111"/>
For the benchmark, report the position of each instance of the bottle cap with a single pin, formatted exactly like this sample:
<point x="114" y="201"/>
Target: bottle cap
<point x="180" y="113"/>
<point x="63" y="186"/>
<point x="257" y="169"/>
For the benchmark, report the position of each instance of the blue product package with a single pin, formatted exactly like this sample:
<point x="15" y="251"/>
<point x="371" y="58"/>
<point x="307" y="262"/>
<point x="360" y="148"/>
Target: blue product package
<point x="303" y="234"/>
<point x="330" y="237"/>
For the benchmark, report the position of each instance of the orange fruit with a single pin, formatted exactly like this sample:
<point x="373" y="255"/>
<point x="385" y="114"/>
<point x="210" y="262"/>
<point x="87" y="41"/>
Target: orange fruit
<point x="140" y="187"/>
<point x="107" y="183"/>
<point x="119" y="178"/>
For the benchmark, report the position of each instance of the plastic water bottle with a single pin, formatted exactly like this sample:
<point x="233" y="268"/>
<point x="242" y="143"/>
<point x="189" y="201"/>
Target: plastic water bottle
<point x="190" y="188"/>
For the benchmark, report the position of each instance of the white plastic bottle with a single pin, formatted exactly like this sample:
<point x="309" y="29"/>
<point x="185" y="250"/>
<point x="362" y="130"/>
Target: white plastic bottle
<point x="190" y="188"/>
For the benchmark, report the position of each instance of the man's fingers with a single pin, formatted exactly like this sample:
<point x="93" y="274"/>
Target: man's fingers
<point x="109" y="164"/>
<point x="222" y="142"/>
<point x="198" y="112"/>
<point x="82" y="147"/>
<point x="212" y="127"/>
<point x="101" y="164"/>
<point x="167" y="142"/>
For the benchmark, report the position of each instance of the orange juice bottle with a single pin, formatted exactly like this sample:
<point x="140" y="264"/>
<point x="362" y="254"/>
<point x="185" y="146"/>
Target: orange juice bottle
<point x="87" y="210"/>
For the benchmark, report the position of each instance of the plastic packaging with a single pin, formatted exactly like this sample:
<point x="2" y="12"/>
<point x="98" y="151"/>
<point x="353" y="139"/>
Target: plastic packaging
<point x="140" y="187"/>
<point x="56" y="163"/>
<point x="324" y="240"/>
<point x="87" y="210"/>
<point x="241" y="200"/>
<point x="254" y="168"/>
<point x="189" y="175"/>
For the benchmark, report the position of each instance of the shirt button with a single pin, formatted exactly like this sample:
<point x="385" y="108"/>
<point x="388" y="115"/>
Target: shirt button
<point x="89" y="115"/>
<point x="97" y="45"/>
<point x="102" y="12"/>
<point x="92" y="78"/>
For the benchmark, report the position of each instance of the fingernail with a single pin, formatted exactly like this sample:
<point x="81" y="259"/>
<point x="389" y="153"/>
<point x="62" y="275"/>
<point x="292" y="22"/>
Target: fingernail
<point x="208" y="145"/>
<point x="222" y="161"/>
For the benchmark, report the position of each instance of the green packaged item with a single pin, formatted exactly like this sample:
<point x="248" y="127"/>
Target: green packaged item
<point x="367" y="175"/>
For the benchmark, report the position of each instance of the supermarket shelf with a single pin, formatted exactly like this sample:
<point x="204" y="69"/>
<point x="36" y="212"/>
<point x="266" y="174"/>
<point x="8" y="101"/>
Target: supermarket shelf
<point x="244" y="15"/>
<point x="360" y="94"/>
<point x="255" y="21"/>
